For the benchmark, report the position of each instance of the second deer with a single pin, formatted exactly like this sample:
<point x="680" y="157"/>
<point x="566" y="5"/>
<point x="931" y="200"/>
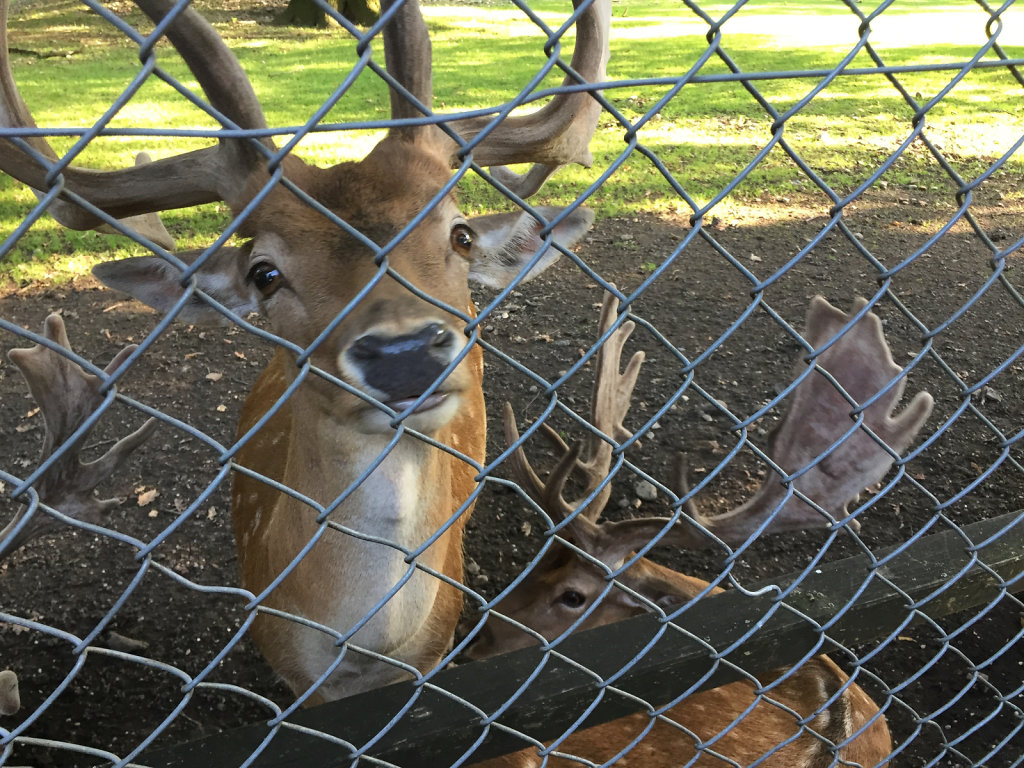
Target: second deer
<point x="804" y="717"/>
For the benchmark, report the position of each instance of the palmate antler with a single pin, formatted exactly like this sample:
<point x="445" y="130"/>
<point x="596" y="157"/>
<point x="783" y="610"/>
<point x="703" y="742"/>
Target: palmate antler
<point x="811" y="437"/>
<point x="813" y="430"/>
<point x="66" y="396"/>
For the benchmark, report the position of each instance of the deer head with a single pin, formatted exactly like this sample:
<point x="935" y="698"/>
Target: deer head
<point x="371" y="270"/>
<point x="67" y="396"/>
<point x="827" y="461"/>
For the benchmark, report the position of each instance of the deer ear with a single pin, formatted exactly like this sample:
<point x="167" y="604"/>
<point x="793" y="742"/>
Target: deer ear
<point x="507" y="242"/>
<point x="661" y="589"/>
<point x="157" y="283"/>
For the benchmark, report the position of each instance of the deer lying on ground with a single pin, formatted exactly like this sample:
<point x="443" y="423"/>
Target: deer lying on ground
<point x="10" y="699"/>
<point x="364" y="549"/>
<point x="567" y="591"/>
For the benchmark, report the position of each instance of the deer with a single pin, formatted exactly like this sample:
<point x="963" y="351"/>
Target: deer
<point x="803" y="717"/>
<point x="359" y="446"/>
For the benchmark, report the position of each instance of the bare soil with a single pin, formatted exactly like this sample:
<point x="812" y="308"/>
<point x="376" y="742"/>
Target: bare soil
<point x="69" y="582"/>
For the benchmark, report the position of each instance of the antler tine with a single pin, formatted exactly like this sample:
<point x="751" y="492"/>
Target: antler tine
<point x="610" y="400"/>
<point x="548" y="494"/>
<point x="193" y="178"/>
<point x="811" y="433"/>
<point x="149" y="225"/>
<point x="559" y="133"/>
<point x="681" y="484"/>
<point x="522" y="470"/>
<point x="66" y="396"/>
<point x="407" y="54"/>
<point x="211" y="61"/>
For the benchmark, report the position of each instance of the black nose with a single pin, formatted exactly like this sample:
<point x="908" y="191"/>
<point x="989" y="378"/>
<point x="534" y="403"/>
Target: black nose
<point x="403" y="367"/>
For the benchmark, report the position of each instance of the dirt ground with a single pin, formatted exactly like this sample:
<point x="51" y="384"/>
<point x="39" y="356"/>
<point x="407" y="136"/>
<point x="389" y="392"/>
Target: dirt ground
<point x="72" y="580"/>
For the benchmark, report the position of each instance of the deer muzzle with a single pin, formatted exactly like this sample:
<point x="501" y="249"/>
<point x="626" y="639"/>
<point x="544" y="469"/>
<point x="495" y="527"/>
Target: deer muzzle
<point x="401" y="368"/>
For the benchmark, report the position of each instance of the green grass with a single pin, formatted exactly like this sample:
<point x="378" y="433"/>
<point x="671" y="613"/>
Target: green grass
<point x="706" y="135"/>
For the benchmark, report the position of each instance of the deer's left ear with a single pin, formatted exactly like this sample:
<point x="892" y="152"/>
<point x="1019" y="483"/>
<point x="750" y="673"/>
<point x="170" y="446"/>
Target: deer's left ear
<point x="507" y="242"/>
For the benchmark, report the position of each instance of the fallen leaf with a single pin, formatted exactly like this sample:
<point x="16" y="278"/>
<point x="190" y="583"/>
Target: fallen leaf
<point x="146" y="497"/>
<point x="214" y="376"/>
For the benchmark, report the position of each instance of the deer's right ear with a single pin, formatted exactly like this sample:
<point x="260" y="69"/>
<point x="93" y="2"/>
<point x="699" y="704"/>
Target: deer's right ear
<point x="507" y="242"/>
<point x="158" y="284"/>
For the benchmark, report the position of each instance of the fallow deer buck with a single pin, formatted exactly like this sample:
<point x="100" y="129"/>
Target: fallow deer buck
<point x="355" y="562"/>
<point x="813" y="715"/>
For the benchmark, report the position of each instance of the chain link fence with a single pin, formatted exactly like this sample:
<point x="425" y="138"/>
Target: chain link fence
<point x="855" y="457"/>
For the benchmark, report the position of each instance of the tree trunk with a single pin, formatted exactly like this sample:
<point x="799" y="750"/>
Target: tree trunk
<point x="306" y="13"/>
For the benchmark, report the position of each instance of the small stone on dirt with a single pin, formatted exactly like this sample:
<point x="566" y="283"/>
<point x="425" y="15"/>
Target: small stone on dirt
<point x="645" y="490"/>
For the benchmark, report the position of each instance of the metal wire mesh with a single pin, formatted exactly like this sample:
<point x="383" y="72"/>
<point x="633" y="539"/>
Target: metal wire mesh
<point x="721" y="324"/>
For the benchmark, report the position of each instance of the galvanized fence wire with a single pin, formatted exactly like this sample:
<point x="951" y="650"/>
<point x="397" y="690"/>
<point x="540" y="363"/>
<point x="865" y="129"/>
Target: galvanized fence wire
<point x="914" y="718"/>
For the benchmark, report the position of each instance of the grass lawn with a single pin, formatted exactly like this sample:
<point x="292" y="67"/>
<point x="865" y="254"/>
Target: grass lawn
<point x="706" y="135"/>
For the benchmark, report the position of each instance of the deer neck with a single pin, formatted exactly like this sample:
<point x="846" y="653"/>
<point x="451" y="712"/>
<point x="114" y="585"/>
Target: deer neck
<point x="371" y="483"/>
<point x="385" y="507"/>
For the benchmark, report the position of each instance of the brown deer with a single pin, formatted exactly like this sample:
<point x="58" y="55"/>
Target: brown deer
<point x="568" y="590"/>
<point x="360" y="443"/>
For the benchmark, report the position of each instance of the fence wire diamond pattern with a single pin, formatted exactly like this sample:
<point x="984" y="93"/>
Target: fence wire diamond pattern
<point x="809" y="400"/>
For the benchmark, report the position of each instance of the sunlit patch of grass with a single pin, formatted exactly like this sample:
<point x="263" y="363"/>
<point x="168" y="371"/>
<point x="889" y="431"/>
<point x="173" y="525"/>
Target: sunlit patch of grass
<point x="705" y="137"/>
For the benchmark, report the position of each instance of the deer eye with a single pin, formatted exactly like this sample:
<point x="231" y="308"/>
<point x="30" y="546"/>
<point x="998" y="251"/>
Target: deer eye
<point x="572" y="598"/>
<point x="266" y="277"/>
<point x="462" y="239"/>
